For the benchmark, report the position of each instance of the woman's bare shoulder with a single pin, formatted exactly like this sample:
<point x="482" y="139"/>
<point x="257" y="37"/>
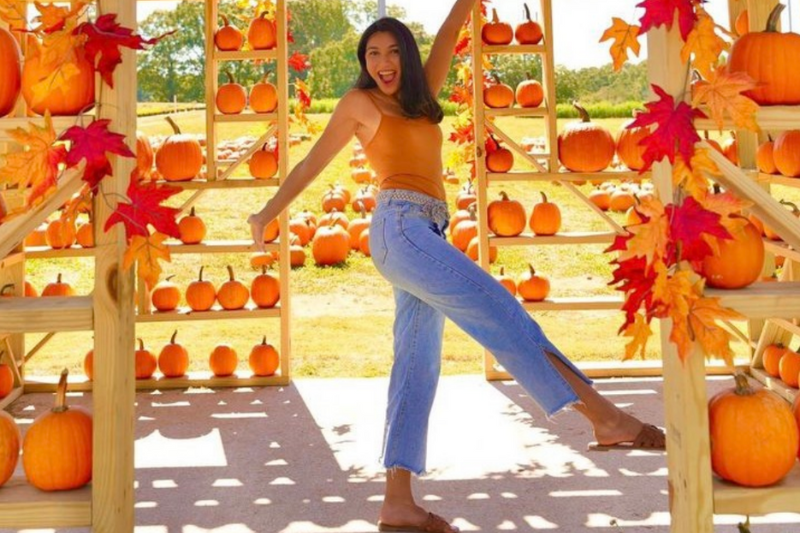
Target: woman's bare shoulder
<point x="355" y="98"/>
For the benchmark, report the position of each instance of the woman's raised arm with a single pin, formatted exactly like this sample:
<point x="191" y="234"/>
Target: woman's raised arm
<point x="438" y="64"/>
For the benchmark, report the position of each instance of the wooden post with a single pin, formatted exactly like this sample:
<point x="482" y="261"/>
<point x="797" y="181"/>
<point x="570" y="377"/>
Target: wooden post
<point x="212" y="71"/>
<point x="549" y="83"/>
<point x="284" y="264"/>
<point x="114" y="388"/>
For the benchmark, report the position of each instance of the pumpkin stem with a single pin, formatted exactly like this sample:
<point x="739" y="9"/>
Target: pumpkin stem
<point x="544" y="197"/>
<point x="504" y="196"/>
<point x="169" y="277"/>
<point x="363" y="210"/>
<point x="794" y="207"/>
<point x="527" y="13"/>
<point x="264" y="341"/>
<point x="743" y="387"/>
<point x="172" y="123"/>
<point x="774" y="18"/>
<point x="263" y="269"/>
<point x="533" y="270"/>
<point x="61" y="393"/>
<point x="172" y="339"/>
<point x="230" y="272"/>
<point x="141" y="343"/>
<point x="231" y="79"/>
<point x="225" y="22"/>
<point x="502" y="268"/>
<point x="200" y="276"/>
<point x="5" y="288"/>
<point x="581" y="111"/>
<point x="495" y="20"/>
<point x="191" y="212"/>
<point x="58" y="278"/>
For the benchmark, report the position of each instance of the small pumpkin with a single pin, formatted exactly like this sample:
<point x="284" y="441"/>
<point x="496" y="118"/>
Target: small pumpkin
<point x="259" y="259"/>
<point x="529" y="31"/>
<point x="223" y="360"/>
<point x="37" y="237"/>
<point x="264" y="360"/>
<point x="233" y="294"/>
<point x="200" y="294"/>
<point x="621" y="200"/>
<point x="331" y="245"/>
<point x="498" y="158"/>
<point x="60" y="234"/>
<point x="506" y="217"/>
<point x="466" y="196"/>
<point x="533" y="288"/>
<point x="363" y="243"/>
<point x="497" y="32"/>
<point x="506" y="281"/>
<point x="265" y="290"/>
<point x="365" y="199"/>
<point x="228" y="38"/>
<point x="262" y="34"/>
<point x="173" y="361"/>
<point x="231" y="97"/>
<point x="465" y="230"/>
<point x="601" y="198"/>
<point x="499" y="95"/>
<point x="57" y="449"/>
<point x="585" y="146"/>
<point x="739" y="262"/>
<point x="144" y="155"/>
<point x="730" y="149"/>
<point x="545" y="217"/>
<point x="88" y="365"/>
<point x="10" y="437"/>
<point x="473" y="249"/>
<point x="753" y="435"/>
<point x="335" y="217"/>
<point x="786" y="153"/>
<point x="272" y="230"/>
<point x="58" y="288"/>
<point x="84" y="235"/>
<point x="765" y="158"/>
<point x="357" y="226"/>
<point x="166" y="296"/>
<point x="6" y="379"/>
<point x="146" y="362"/>
<point x="180" y="156"/>
<point x="333" y="199"/>
<point x="789" y="368"/>
<point x="192" y="228"/>
<point x="529" y="93"/>
<point x="771" y="358"/>
<point x="10" y="73"/>
<point x="263" y="97"/>
<point x="297" y="255"/>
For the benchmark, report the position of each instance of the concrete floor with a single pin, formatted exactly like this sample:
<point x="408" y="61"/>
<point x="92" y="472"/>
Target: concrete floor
<point x="303" y="459"/>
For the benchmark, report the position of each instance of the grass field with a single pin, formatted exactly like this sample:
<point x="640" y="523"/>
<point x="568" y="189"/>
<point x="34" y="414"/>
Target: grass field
<point x="342" y="316"/>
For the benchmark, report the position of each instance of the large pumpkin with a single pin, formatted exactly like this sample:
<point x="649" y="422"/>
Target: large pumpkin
<point x="766" y="57"/>
<point x="331" y="245"/>
<point x="754" y="435"/>
<point x="76" y="96"/>
<point x="9" y="72"/>
<point x="739" y="262"/>
<point x="57" y="450"/>
<point x="506" y="217"/>
<point x="262" y="34"/>
<point x="584" y="146"/>
<point x="180" y="157"/>
<point x="9" y="446"/>
<point x="786" y="153"/>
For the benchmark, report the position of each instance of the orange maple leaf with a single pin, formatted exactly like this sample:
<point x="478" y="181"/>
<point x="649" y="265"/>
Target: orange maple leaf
<point x="58" y="17"/>
<point x="81" y="202"/>
<point x="712" y="338"/>
<point x="146" y="252"/>
<point x="692" y="178"/>
<point x="722" y="93"/>
<point x="704" y="44"/>
<point x="640" y="332"/>
<point x="57" y="56"/>
<point x="678" y="295"/>
<point x="14" y="13"/>
<point x="626" y="37"/>
<point x="649" y="239"/>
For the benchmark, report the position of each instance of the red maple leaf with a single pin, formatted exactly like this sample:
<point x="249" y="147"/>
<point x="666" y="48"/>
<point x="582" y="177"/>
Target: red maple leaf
<point x="104" y="37"/>
<point x="299" y="62"/>
<point x="463" y="134"/>
<point x="145" y="208"/>
<point x="634" y="278"/>
<point x="688" y="223"/>
<point x="93" y="144"/>
<point x="674" y="129"/>
<point x="662" y="12"/>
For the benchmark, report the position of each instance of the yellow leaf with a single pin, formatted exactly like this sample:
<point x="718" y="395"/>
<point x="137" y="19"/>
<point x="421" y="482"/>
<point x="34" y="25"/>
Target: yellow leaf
<point x="649" y="239"/>
<point x="625" y="36"/>
<point x="52" y="15"/>
<point x="640" y="332"/>
<point x="704" y="43"/>
<point x="692" y="178"/>
<point x="722" y="93"/>
<point x="37" y="165"/>
<point x="146" y="251"/>
<point x="713" y="339"/>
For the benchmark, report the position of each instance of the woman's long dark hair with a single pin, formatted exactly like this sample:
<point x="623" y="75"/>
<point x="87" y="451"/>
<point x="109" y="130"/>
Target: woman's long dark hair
<point x="415" y="96"/>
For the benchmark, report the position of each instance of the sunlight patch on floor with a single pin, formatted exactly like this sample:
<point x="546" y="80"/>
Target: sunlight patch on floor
<point x="158" y="451"/>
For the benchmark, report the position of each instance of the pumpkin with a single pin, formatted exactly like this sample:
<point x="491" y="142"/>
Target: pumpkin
<point x="60" y="234"/>
<point x="359" y="160"/>
<point x="533" y="288"/>
<point x="297" y="255"/>
<point x="448" y="176"/>
<point x="601" y="198"/>
<point x="786" y="153"/>
<point x="76" y="96"/>
<point x="739" y="261"/>
<point x="192" y="228"/>
<point x="228" y="37"/>
<point x="357" y="226"/>
<point x="473" y="249"/>
<point x="497" y="32"/>
<point x="771" y="358"/>
<point x="465" y="230"/>
<point x="769" y="232"/>
<point x="264" y="360"/>
<point x="466" y="196"/>
<point x="335" y="217"/>
<point x="145" y="361"/>
<point x="365" y="199"/>
<point x="632" y="216"/>
<point x="789" y="368"/>
<point x="753" y="435"/>
<point x="232" y="294"/>
<point x="796" y="409"/>
<point x="361" y="175"/>
<point x="529" y="93"/>
<point x="30" y="290"/>
<point x="506" y="281"/>
<point x="231" y="97"/>
<point x="9" y="73"/>
<point x="765" y="159"/>
<point x="628" y="149"/>
<point x="223" y="360"/>
<point x="363" y="243"/>
<point x="57" y="449"/>
<point x="584" y="146"/>
<point x="6" y="379"/>
<point x="265" y="289"/>
<point x="272" y="230"/>
<point x="506" y="217"/>
<point x="37" y="237"/>
<point x="333" y="199"/>
<point x="166" y="296"/>
<point x="200" y="294"/>
<point x="498" y="159"/>
<point x="173" y="361"/>
<point x="545" y="217"/>
<point x="621" y="200"/>
<point x="84" y="236"/>
<point x="742" y="23"/>
<point x="302" y="228"/>
<point x="144" y="155"/>
<point x="529" y="31"/>
<point x="262" y="34"/>
<point x="760" y="55"/>
<point x="10" y="438"/>
<point x="263" y="97"/>
<point x="88" y="365"/>
<point x="58" y="288"/>
<point x="180" y="156"/>
<point x="730" y="149"/>
<point x="498" y="95"/>
<point x="331" y="245"/>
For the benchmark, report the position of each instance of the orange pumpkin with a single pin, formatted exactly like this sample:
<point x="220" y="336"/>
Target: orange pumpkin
<point x="533" y="288"/>
<point x="363" y="243"/>
<point x="730" y="149"/>
<point x="84" y="236"/>
<point x="262" y="34"/>
<point x="231" y="97"/>
<point x="57" y="449"/>
<point x="760" y="55"/>
<point x="771" y="358"/>
<point x="365" y="199"/>
<point x="3" y="208"/>
<point x="10" y="438"/>
<point x="200" y="294"/>
<point x="272" y="230"/>
<point x="228" y="37"/>
<point x="601" y="198"/>
<point x="60" y="234"/>
<point x="529" y="93"/>
<point x="9" y="73"/>
<point x="331" y="245"/>
<point x="297" y="255"/>
<point x="144" y="155"/>
<point x="786" y="153"/>
<point x="498" y="95"/>
<point x="173" y="361"/>
<point x="753" y="435"/>
<point x="357" y="226"/>
<point x="466" y="196"/>
<point x="264" y="360"/>
<point x="765" y="159"/>
<point x="529" y="31"/>
<point x="6" y="379"/>
<point x="223" y="360"/>
<point x="333" y="199"/>
<point x="192" y="228"/>
<point x="232" y="294"/>
<point x="472" y="250"/>
<point x="465" y="230"/>
<point x="789" y="368"/>
<point x="739" y="262"/>
<point x="166" y="296"/>
<point x="263" y="164"/>
<point x="796" y="409"/>
<point x="506" y="217"/>
<point x="497" y="32"/>
<point x="499" y="159"/>
<point x="88" y="365"/>
<point x="584" y="146"/>
<point x="58" y="288"/>
<point x="628" y="149"/>
<point x="621" y="200"/>
<point x="37" y="237"/>
<point x="76" y="96"/>
<point x="545" y="217"/>
<point x="506" y="281"/>
<point x="180" y="156"/>
<point x="145" y="361"/>
<point x="263" y="97"/>
<point x="265" y="289"/>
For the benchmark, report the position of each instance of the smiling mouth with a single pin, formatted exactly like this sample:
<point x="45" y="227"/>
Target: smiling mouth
<point x="387" y="76"/>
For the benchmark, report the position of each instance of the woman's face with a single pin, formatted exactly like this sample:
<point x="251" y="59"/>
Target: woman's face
<point x="383" y="62"/>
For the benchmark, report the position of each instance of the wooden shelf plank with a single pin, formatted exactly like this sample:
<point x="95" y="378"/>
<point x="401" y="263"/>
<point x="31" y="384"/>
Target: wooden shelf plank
<point x="777" y="179"/>
<point x="222" y="184"/>
<point x="219" y="247"/>
<point x="247" y="117"/>
<point x="588" y="237"/>
<point x="776" y="117"/>
<point x="783" y="497"/>
<point x="571" y="303"/>
<point x="516" y="112"/>
<point x="774" y="384"/>
<point x="515" y="49"/>
<point x="55" y="313"/>
<point x="45" y="252"/>
<point x="566" y="176"/>
<point x="242" y="55"/>
<point x="762" y="299"/>
<point x="12" y="397"/>
<point x="242" y="378"/>
<point x="23" y="506"/>
<point x="782" y="249"/>
<point x="185" y="315"/>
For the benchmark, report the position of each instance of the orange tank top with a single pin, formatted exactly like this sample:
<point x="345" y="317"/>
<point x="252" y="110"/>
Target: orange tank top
<point x="407" y="154"/>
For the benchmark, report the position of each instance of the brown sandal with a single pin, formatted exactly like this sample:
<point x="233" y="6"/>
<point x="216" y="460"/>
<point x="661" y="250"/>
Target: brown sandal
<point x="433" y="524"/>
<point x="649" y="437"/>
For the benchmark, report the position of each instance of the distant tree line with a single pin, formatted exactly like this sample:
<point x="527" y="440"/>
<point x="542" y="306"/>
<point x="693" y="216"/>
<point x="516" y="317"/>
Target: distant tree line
<point x="328" y="32"/>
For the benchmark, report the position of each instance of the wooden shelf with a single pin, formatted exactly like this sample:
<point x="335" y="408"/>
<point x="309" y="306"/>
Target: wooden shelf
<point x="586" y="237"/>
<point x="242" y="378"/>
<point x="186" y="315"/>
<point x="45" y="252"/>
<point x="777" y="179"/>
<point x="597" y="303"/>
<point x="566" y="176"/>
<point x="782" y="249"/>
<point x="516" y="112"/>
<point x="242" y="55"/>
<point x="774" y="384"/>
<point x="12" y="397"/>
<point x="247" y="117"/>
<point x="218" y="247"/>
<point x="231" y="183"/>
<point x="778" y="117"/>
<point x="42" y="315"/>
<point x="781" y="498"/>
<point x="762" y="299"/>
<point x="22" y="506"/>
<point x="514" y="49"/>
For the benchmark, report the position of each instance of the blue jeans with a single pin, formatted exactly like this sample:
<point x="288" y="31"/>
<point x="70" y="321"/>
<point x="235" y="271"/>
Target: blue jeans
<point x="432" y="280"/>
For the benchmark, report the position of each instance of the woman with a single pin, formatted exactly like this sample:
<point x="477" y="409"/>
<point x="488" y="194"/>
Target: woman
<point x="394" y="114"/>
